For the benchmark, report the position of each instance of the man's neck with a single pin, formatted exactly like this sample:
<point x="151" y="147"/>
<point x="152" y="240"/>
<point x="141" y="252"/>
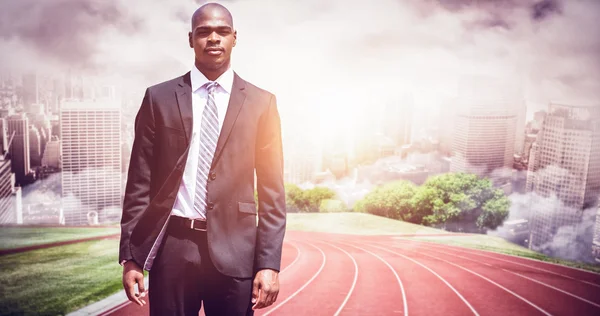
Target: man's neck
<point x="212" y="75"/>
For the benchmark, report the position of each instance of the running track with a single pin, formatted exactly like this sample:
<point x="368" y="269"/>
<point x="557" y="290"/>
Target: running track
<point x="331" y="274"/>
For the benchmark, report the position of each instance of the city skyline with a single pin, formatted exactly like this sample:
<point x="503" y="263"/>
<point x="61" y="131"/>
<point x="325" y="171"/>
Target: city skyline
<point x="366" y="93"/>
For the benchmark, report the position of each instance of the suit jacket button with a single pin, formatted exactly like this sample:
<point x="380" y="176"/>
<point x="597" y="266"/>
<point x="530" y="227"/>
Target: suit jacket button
<point x="213" y="175"/>
<point x="210" y="206"/>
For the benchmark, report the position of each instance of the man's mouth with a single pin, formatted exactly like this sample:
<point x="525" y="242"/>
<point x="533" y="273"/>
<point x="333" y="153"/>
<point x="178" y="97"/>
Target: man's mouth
<point x="215" y="51"/>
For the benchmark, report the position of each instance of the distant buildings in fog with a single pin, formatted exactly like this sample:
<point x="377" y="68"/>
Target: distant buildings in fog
<point x="487" y="129"/>
<point x="564" y="169"/>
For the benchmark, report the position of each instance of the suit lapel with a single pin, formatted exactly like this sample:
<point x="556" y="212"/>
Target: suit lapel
<point x="183" y="92"/>
<point x="236" y="100"/>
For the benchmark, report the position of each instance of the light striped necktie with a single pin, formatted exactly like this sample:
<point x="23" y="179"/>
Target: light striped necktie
<point x="209" y="135"/>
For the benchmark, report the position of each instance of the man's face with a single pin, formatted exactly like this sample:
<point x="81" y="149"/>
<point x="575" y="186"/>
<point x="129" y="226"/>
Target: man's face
<point x="212" y="38"/>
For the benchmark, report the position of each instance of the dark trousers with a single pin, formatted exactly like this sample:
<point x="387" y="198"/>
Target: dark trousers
<point x="183" y="277"/>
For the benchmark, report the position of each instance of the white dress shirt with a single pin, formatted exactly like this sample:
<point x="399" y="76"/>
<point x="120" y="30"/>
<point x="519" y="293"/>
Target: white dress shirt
<point x="184" y="203"/>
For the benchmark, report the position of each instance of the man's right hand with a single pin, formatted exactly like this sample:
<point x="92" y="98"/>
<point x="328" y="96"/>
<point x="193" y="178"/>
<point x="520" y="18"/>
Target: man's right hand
<point x="132" y="275"/>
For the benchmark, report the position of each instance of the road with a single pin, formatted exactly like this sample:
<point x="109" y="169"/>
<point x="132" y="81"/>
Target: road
<point x="332" y="274"/>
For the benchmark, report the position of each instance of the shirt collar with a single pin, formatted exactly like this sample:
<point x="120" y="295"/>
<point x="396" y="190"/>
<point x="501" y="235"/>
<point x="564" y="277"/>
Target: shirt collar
<point x="198" y="79"/>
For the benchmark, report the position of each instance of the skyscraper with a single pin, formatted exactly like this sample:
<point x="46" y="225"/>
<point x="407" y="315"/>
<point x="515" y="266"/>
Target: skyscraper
<point x="31" y="91"/>
<point x="397" y="120"/>
<point x="596" y="240"/>
<point x="520" y="134"/>
<point x="91" y="149"/>
<point x="564" y="169"/>
<point x="35" y="146"/>
<point x="485" y="129"/>
<point x="18" y="128"/>
<point x="8" y="212"/>
<point x="51" y="157"/>
<point x="4" y="137"/>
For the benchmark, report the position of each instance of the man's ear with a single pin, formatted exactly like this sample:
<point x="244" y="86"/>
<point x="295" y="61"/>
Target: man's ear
<point x="190" y="39"/>
<point x="234" y="38"/>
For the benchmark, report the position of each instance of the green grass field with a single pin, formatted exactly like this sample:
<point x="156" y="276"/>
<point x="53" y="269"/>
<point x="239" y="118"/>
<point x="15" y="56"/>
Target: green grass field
<point x="354" y="223"/>
<point x="16" y="237"/>
<point x="57" y="280"/>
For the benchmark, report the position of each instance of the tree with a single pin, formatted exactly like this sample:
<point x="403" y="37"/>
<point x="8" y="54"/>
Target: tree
<point x="312" y="198"/>
<point x="391" y="200"/>
<point x="293" y="198"/>
<point x="298" y="200"/>
<point x="453" y="201"/>
<point x="460" y="202"/>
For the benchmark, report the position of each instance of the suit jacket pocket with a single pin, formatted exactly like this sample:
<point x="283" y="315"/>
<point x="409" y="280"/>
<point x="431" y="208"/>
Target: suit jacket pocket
<point x="245" y="207"/>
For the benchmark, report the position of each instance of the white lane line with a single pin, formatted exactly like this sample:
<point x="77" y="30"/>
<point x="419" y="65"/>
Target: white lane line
<point x="596" y="274"/>
<point x="353" y="282"/>
<point x="389" y="266"/>
<point x="528" y="278"/>
<point x="305" y="284"/>
<point x="296" y="259"/>
<point x="434" y="273"/>
<point x="474" y="251"/>
<point x="496" y="284"/>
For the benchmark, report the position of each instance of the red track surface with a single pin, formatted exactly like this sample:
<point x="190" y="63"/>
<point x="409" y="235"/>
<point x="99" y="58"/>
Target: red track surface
<point x="331" y="274"/>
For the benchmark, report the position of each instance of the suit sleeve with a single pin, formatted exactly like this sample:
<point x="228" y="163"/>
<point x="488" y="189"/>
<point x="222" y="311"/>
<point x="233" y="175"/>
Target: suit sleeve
<point x="137" y="189"/>
<point x="270" y="188"/>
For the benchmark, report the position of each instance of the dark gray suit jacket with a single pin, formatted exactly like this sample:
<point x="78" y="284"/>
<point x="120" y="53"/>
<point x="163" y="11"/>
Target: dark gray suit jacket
<point x="250" y="139"/>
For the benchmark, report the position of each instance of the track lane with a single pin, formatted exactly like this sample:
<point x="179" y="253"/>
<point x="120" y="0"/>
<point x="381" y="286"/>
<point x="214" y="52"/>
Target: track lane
<point x="547" y="299"/>
<point x="377" y="291"/>
<point x="584" y="276"/>
<point x="297" y="280"/>
<point x="567" y="286"/>
<point x="329" y="290"/>
<point x="438" y="289"/>
<point x="475" y="289"/>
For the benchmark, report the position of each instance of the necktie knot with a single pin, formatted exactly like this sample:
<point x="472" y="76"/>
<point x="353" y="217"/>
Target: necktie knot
<point x="211" y="86"/>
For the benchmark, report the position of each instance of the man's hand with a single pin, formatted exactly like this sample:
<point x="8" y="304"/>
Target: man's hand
<point x="132" y="275"/>
<point x="265" y="288"/>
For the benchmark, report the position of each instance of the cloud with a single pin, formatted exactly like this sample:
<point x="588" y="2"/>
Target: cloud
<point x="334" y="47"/>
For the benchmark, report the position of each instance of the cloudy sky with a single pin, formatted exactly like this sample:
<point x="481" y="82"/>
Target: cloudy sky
<point x="330" y="57"/>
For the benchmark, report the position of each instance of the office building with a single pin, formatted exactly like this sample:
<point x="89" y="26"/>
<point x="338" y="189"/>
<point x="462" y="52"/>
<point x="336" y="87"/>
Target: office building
<point x="484" y="133"/>
<point x="564" y="169"/>
<point x="8" y="211"/>
<point x="52" y="154"/>
<point x="91" y="159"/>
<point x="18" y="129"/>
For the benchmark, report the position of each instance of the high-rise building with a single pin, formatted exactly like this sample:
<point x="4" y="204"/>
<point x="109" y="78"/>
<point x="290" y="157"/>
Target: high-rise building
<point x="564" y="169"/>
<point x="18" y="128"/>
<point x="397" y="120"/>
<point x="51" y="156"/>
<point x="596" y="240"/>
<point x="302" y="159"/>
<point x="31" y="91"/>
<point x="35" y="146"/>
<point x="4" y="137"/>
<point x="91" y="159"/>
<point x="8" y="212"/>
<point x="448" y="115"/>
<point x="520" y="135"/>
<point x="485" y="129"/>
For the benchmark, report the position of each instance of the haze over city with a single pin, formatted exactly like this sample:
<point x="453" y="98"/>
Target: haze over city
<point x="338" y="68"/>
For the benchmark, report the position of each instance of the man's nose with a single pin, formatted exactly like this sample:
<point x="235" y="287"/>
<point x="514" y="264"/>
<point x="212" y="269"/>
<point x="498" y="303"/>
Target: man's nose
<point x="213" y="37"/>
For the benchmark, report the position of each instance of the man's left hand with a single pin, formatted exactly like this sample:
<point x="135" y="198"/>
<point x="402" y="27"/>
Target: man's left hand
<point x="265" y="288"/>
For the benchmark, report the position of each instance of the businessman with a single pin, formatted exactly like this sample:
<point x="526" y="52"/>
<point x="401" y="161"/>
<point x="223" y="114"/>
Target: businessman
<point x="189" y="213"/>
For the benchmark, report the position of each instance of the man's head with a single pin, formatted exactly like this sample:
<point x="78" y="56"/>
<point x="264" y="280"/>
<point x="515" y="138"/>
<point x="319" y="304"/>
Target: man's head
<point x="212" y="37"/>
